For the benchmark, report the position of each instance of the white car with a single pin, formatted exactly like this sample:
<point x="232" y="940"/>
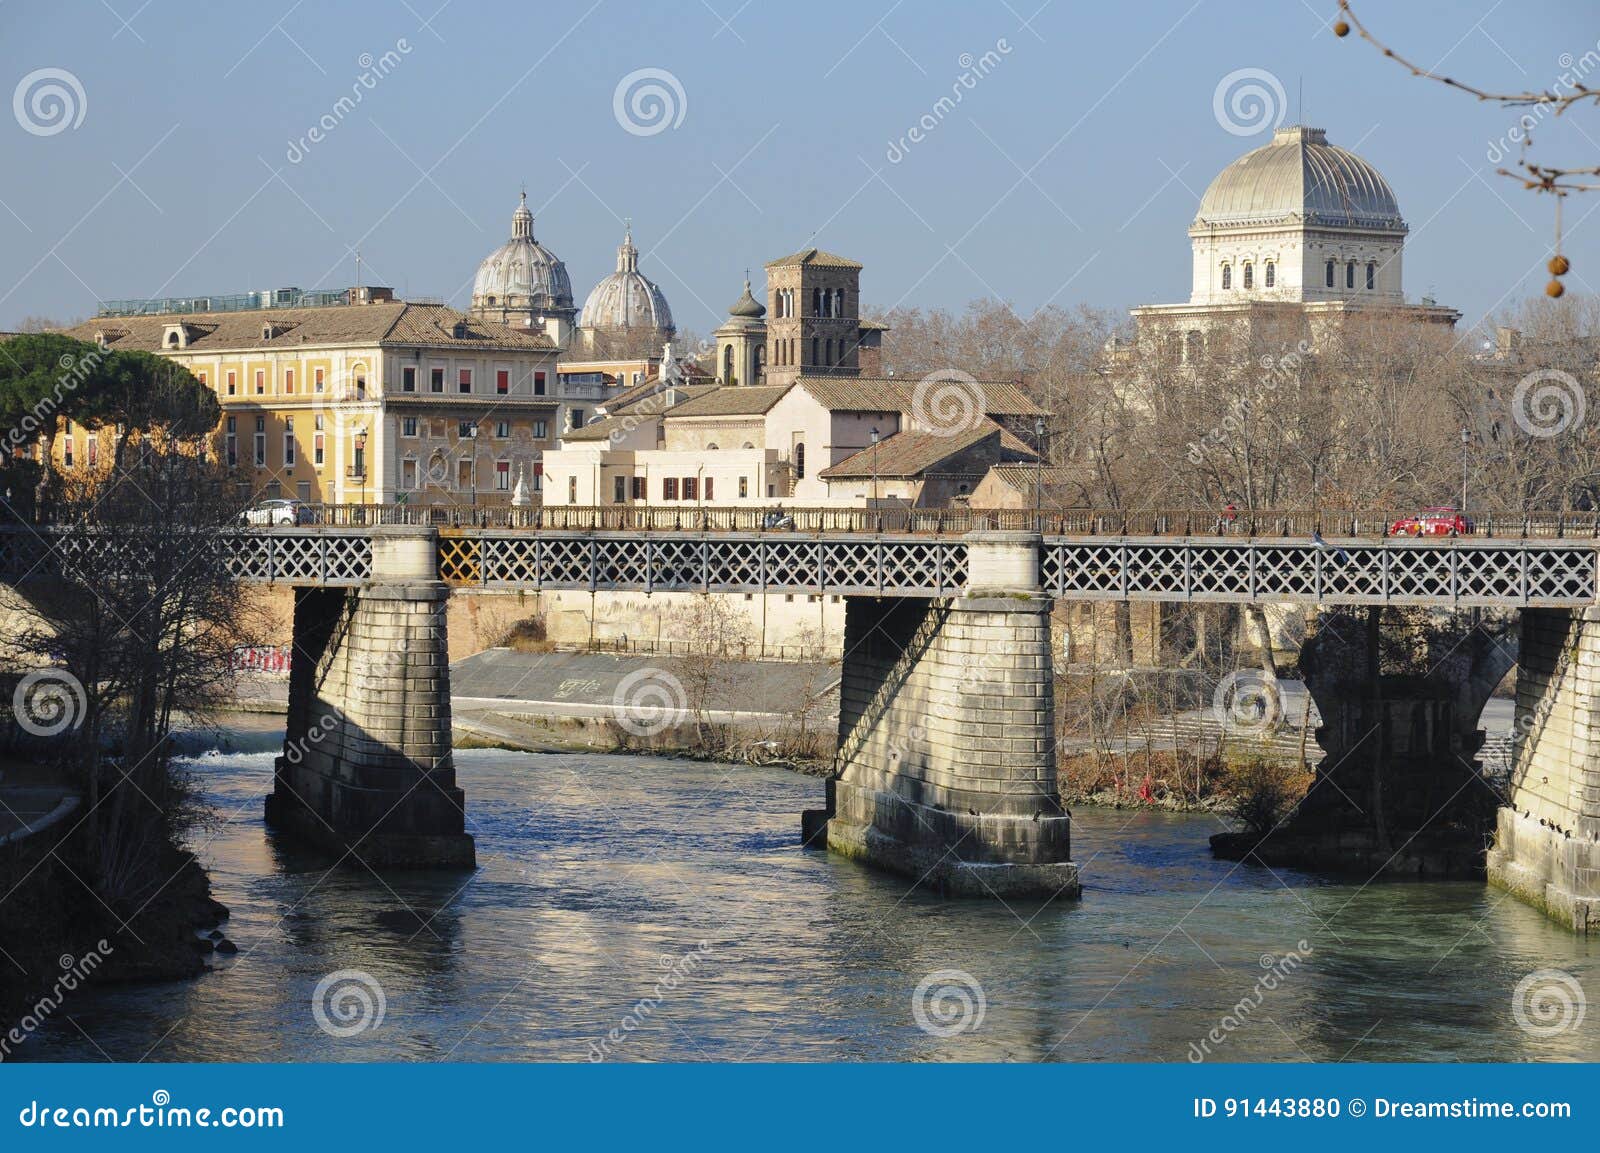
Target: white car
<point x="272" y="513"/>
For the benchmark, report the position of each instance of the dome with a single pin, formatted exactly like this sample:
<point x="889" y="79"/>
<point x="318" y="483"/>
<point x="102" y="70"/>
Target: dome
<point x="747" y="306"/>
<point x="1300" y="178"/>
<point x="522" y="273"/>
<point x="627" y="299"/>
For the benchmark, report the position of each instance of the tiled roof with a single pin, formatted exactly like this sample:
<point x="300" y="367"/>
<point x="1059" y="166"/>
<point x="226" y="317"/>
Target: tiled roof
<point x="388" y="323"/>
<point x="893" y="394"/>
<point x="733" y="400"/>
<point x="643" y="391"/>
<point x="814" y="256"/>
<point x="908" y="454"/>
<point x="602" y="429"/>
<point x="1021" y="476"/>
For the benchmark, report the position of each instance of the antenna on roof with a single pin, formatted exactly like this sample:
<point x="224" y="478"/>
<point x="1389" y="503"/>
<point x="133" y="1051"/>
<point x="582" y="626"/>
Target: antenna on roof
<point x="358" y="268"/>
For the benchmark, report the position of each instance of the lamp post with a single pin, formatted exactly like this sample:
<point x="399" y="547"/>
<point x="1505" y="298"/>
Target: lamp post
<point x="1466" y="443"/>
<point x="1038" y="468"/>
<point x="874" y="466"/>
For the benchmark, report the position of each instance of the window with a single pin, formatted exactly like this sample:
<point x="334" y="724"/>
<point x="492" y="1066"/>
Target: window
<point x="538" y="384"/>
<point x="502" y="475"/>
<point x="92" y="450"/>
<point x="669" y="488"/>
<point x="638" y="488"/>
<point x="572" y="490"/>
<point x="816" y="345"/>
<point x="274" y="490"/>
<point x="288" y="442"/>
<point x="1227" y="276"/>
<point x="260" y="446"/>
<point x="261" y="382"/>
<point x="1350" y="275"/>
<point x="709" y="483"/>
<point x="619" y="489"/>
<point x="66" y="452"/>
<point x="318" y="445"/>
<point x="690" y="488"/>
<point x="317" y="381"/>
<point x="539" y="430"/>
<point x="361" y="382"/>
<point x="799" y="461"/>
<point x="829" y="347"/>
<point x="502" y="381"/>
<point x="1272" y="274"/>
<point x="744" y="487"/>
<point x="435" y="380"/>
<point x="233" y="382"/>
<point x="466" y="429"/>
<point x="1372" y="275"/>
<point x="288" y="380"/>
<point x="232" y="444"/>
<point x="502" y="429"/>
<point x="408" y="474"/>
<point x="464" y="380"/>
<point x="816" y="302"/>
<point x="408" y="378"/>
<point x="408" y="426"/>
<point x="1328" y="275"/>
<point x="577" y="417"/>
<point x="1249" y="275"/>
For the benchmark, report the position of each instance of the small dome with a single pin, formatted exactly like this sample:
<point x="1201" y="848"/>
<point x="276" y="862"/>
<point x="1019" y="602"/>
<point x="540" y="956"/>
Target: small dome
<point x="1299" y="176"/>
<point x="748" y="306"/>
<point x="522" y="273"/>
<point x="627" y="299"/>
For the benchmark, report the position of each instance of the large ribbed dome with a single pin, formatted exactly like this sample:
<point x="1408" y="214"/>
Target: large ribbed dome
<point x="522" y="273"/>
<point x="1300" y="177"/>
<point x="627" y="299"/>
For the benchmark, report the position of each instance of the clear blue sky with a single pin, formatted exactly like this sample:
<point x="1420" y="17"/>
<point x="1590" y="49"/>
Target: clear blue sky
<point x="1068" y="173"/>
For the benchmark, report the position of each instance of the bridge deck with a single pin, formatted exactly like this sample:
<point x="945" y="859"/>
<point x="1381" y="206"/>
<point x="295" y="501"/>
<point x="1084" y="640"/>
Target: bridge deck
<point x="1446" y="572"/>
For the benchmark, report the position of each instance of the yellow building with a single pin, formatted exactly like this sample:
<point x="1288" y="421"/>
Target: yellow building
<point x="353" y="397"/>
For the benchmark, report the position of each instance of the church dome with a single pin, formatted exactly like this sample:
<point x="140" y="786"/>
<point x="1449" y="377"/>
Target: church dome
<point x="522" y="273"/>
<point x="747" y="307"/>
<point x="627" y="299"/>
<point x="1300" y="178"/>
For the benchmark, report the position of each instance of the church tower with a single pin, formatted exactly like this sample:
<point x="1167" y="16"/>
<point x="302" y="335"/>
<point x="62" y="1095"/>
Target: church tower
<point x="813" y="316"/>
<point x="742" y="342"/>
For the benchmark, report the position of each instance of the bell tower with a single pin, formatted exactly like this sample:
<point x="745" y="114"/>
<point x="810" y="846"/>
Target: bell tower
<point x="813" y="316"/>
<point x="742" y="342"/>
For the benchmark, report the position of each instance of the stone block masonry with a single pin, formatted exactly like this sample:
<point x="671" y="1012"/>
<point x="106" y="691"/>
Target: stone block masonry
<point x="1546" y="846"/>
<point x="367" y="769"/>
<point x="946" y="766"/>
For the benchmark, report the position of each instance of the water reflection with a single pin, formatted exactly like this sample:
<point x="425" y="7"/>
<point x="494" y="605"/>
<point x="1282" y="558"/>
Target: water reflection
<point x="651" y="909"/>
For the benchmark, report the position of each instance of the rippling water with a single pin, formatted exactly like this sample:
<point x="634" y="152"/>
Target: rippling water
<point x="599" y="875"/>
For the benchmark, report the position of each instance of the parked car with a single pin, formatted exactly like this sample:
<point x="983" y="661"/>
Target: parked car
<point x="275" y="513"/>
<point x="1434" y="522"/>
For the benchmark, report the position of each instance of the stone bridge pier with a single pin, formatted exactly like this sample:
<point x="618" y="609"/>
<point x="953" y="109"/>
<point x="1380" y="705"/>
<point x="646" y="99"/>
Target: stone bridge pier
<point x="1546" y="846"/>
<point x="946" y="769"/>
<point x="366" y="769"/>
<point x="1400" y="790"/>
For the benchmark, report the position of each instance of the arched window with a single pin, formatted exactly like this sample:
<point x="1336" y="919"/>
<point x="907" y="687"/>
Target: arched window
<point x="727" y="363"/>
<point x="1249" y="275"/>
<point x="712" y="447"/>
<point x="1372" y="275"/>
<point x="838" y="300"/>
<point x="1272" y="274"/>
<point x="830" y="350"/>
<point x="799" y="461"/>
<point x="1227" y="277"/>
<point x="1328" y="275"/>
<point x="1350" y="274"/>
<point x="816" y="302"/>
<point x="816" y="346"/>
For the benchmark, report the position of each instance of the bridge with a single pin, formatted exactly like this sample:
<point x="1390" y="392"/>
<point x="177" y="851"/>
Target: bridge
<point x="946" y="768"/>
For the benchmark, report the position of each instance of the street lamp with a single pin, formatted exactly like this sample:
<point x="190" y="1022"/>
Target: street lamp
<point x="874" y="466"/>
<point x="1038" y="467"/>
<point x="1466" y="443"/>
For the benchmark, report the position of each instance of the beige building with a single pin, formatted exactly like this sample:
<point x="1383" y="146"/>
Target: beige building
<point x="356" y="398"/>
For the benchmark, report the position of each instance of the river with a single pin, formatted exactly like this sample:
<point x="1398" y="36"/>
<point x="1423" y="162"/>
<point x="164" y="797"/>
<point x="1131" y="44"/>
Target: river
<point x="607" y="881"/>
